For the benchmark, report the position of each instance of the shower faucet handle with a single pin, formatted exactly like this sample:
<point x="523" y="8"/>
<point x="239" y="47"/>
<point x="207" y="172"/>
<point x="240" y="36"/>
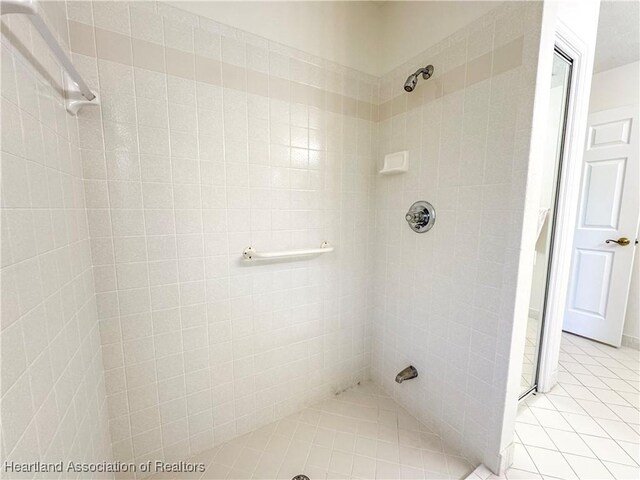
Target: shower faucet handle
<point x="418" y="216"/>
<point x="421" y="216"/>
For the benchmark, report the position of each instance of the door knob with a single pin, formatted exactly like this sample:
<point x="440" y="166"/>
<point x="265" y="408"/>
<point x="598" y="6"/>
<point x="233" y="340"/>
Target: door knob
<point x="622" y="241"/>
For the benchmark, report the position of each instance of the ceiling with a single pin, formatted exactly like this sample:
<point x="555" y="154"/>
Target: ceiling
<point x="618" y="41"/>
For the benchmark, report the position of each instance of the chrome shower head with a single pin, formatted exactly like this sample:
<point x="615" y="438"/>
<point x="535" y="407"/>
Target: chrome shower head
<point x="412" y="79"/>
<point x="411" y="82"/>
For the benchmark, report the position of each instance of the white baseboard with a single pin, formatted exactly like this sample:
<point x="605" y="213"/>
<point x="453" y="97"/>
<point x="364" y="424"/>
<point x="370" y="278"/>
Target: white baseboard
<point x="631" y="342"/>
<point x="506" y="458"/>
<point x="503" y="462"/>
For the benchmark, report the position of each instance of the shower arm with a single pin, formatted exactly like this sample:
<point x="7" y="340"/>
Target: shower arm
<point x="425" y="71"/>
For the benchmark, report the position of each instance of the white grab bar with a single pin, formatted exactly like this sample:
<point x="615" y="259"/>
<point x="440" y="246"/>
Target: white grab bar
<point x="250" y="254"/>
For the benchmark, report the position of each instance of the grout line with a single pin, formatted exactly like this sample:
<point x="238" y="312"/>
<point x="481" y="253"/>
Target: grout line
<point x="204" y="266"/>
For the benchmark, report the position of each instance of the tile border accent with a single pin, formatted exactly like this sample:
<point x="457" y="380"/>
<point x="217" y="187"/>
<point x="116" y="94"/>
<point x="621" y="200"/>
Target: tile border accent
<point x="155" y="57"/>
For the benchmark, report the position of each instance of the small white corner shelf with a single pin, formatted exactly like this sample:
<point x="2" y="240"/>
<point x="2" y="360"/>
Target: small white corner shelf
<point x="395" y="163"/>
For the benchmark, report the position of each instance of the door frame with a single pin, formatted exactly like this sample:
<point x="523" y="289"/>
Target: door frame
<point x="553" y="223"/>
<point x="567" y="205"/>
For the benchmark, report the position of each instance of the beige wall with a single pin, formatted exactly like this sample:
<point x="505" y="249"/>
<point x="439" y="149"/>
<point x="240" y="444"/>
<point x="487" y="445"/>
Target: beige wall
<point x="379" y="35"/>
<point x="617" y="87"/>
<point x="342" y="32"/>
<point x="410" y="26"/>
<point x="614" y="88"/>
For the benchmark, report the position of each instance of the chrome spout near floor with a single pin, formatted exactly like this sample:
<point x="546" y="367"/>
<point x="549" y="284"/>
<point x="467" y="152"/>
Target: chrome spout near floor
<point x="407" y="374"/>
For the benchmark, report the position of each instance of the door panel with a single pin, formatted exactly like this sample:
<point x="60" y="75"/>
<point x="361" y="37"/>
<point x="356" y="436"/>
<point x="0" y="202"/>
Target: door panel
<point x="609" y="209"/>
<point x="608" y="134"/>
<point x="603" y="193"/>
<point x="592" y="285"/>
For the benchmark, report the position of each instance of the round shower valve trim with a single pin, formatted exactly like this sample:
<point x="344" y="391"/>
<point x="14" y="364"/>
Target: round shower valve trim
<point x="421" y="216"/>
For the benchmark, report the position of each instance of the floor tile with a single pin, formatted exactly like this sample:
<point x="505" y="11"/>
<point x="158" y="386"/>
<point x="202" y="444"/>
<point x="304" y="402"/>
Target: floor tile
<point x="533" y="435"/>
<point x="580" y="392"/>
<point x="434" y="462"/>
<point x="551" y="419"/>
<point x="411" y="457"/>
<point x="551" y="463"/>
<point x="539" y="401"/>
<point x="515" y="474"/>
<point x="458" y="466"/>
<point x="341" y="462"/>
<point x="590" y="380"/>
<point x="354" y="435"/>
<point x="625" y="374"/>
<point x="584" y="424"/>
<point x="597" y="409"/>
<point x="568" y="379"/>
<point x="623" y="472"/>
<point x="482" y="472"/>
<point x="411" y="473"/>
<point x="526" y="416"/>
<point x="319" y="457"/>
<point x="619" y="430"/>
<point x="569" y="442"/>
<point x="566" y="404"/>
<point x="618" y="385"/>
<point x="522" y="460"/>
<point x="592" y="417"/>
<point x="607" y="449"/>
<point x="609" y="396"/>
<point x="631" y="398"/>
<point x="588" y="468"/>
<point x="216" y="470"/>
<point x="601" y="371"/>
<point x="386" y="470"/>
<point x="632" y="449"/>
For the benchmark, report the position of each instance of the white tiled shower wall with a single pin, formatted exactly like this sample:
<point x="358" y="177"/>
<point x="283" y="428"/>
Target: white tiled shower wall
<point x="53" y="393"/>
<point x="209" y="140"/>
<point x="444" y="301"/>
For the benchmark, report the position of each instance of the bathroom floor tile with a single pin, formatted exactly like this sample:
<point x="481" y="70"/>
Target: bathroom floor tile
<point x="587" y="426"/>
<point x="550" y="463"/>
<point x="360" y="434"/>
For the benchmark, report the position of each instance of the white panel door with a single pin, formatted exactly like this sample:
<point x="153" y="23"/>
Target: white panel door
<point x="609" y="209"/>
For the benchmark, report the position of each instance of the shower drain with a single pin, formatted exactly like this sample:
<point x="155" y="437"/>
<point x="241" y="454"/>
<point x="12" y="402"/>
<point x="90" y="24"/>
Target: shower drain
<point x="300" y="477"/>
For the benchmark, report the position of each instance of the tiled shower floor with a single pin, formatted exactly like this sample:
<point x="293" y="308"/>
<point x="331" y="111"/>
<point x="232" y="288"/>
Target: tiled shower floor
<point x="361" y="434"/>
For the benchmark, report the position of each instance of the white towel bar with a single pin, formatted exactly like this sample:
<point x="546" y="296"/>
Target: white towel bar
<point x="250" y="254"/>
<point x="78" y="92"/>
